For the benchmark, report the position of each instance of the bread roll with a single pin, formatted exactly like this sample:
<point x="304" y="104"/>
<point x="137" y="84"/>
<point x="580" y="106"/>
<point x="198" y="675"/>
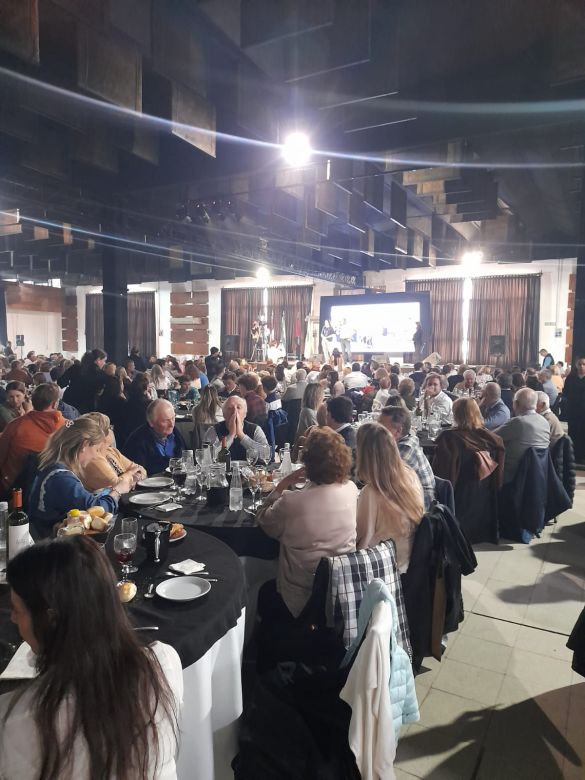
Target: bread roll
<point x="96" y="511"/>
<point x="126" y="591"/>
<point x="99" y="524"/>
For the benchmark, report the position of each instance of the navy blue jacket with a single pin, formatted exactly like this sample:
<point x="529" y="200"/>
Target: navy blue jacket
<point x="144" y="448"/>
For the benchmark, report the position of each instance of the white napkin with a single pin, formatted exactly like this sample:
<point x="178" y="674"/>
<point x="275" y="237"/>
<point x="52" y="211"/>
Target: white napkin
<point x="168" y="507"/>
<point x="22" y="665"/>
<point x="187" y="567"/>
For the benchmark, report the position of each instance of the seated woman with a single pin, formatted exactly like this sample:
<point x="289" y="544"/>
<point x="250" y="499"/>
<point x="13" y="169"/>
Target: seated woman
<point x="139" y="399"/>
<point x="406" y="389"/>
<point x="58" y="487"/>
<point x="61" y="725"/>
<point x="160" y="380"/>
<point x="391" y="504"/>
<point x="472" y="459"/>
<point x="205" y="415"/>
<point x="311" y="523"/>
<point x="187" y="394"/>
<point x="336" y="386"/>
<point x="312" y="399"/>
<point x="113" y="404"/>
<point x="109" y="465"/>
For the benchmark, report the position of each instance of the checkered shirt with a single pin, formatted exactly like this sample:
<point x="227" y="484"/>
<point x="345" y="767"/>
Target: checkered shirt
<point x="349" y="576"/>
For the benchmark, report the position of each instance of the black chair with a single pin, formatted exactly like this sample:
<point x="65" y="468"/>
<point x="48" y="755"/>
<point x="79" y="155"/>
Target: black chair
<point x="563" y="458"/>
<point x="26" y="478"/>
<point x="293" y="411"/>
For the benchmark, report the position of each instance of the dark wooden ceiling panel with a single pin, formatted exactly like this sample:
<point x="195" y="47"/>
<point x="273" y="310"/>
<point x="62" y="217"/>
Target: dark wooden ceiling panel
<point x="19" y="29"/>
<point x="110" y="66"/>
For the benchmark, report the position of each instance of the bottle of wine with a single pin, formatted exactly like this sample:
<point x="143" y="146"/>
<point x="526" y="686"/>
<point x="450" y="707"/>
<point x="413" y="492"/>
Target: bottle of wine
<point x="236" y="492"/>
<point x="224" y="456"/>
<point x="18" y="526"/>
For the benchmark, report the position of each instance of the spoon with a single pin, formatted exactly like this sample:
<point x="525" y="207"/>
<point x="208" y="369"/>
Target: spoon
<point x="150" y="592"/>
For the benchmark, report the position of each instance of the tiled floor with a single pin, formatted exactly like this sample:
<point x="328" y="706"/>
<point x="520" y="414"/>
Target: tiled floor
<point x="504" y="703"/>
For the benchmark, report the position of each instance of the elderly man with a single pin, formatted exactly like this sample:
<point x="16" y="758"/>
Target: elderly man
<point x="543" y="408"/>
<point x="544" y="377"/>
<point x="469" y="384"/>
<point x="397" y="420"/>
<point x="526" y="429"/>
<point x="432" y="398"/>
<point x="155" y="443"/>
<point x="494" y="411"/>
<point x="257" y="411"/>
<point x="356" y="379"/>
<point x="296" y="390"/>
<point x="241" y="435"/>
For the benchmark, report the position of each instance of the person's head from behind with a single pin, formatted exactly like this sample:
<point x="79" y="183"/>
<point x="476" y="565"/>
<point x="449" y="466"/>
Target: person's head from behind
<point x="45" y="397"/>
<point x="110" y="369"/>
<point x="525" y="401"/>
<point x="248" y="383"/>
<point x="160" y="416"/>
<point x="466" y="414"/>
<point x="156" y="373"/>
<point x="208" y="406"/>
<point x="518" y="380"/>
<point x="269" y="384"/>
<point x="533" y="382"/>
<point x="326" y="457"/>
<point x="544" y="375"/>
<point x="279" y="373"/>
<point x="313" y="396"/>
<point x="542" y="402"/>
<point x="332" y="378"/>
<point x="339" y="411"/>
<point x="356" y="366"/>
<point x="469" y="377"/>
<point x="394" y="381"/>
<point x="105" y="426"/>
<point x="491" y="393"/>
<point x="94" y="358"/>
<point x="234" y="405"/>
<point x="130" y="366"/>
<point x="113" y="388"/>
<point x="139" y="386"/>
<point x="406" y="388"/>
<point x="418" y="366"/>
<point x="432" y="385"/>
<point x="397" y="420"/>
<point x="74" y="445"/>
<point x="86" y="650"/>
<point x="229" y="381"/>
<point x="39" y="379"/>
<point x="15" y="365"/>
<point x="505" y="380"/>
<point x="15" y="395"/>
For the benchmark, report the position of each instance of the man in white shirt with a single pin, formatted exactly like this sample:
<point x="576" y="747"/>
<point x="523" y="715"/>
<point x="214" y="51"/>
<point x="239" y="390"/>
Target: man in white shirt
<point x="432" y="399"/>
<point x="345" y="332"/>
<point x="526" y="429"/>
<point x="355" y="380"/>
<point x="543" y="408"/>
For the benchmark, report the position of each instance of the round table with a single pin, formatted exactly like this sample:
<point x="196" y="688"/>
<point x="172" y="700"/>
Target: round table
<point x="207" y="633"/>
<point x="184" y="424"/>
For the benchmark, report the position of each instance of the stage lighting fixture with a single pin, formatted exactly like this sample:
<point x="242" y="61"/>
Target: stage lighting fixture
<point x="263" y="275"/>
<point x="296" y="149"/>
<point x="472" y="259"/>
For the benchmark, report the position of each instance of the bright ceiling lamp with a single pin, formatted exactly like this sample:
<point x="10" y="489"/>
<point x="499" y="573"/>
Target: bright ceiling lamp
<point x="296" y="149"/>
<point x="263" y="274"/>
<point x="472" y="259"/>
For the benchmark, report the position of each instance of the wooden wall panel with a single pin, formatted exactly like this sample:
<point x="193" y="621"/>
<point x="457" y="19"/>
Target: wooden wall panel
<point x="189" y="337"/>
<point x="28" y="297"/>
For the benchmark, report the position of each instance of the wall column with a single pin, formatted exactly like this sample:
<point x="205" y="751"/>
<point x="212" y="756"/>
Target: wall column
<point x="115" y="297"/>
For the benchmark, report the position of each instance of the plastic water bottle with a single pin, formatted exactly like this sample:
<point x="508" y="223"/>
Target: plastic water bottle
<point x="236" y="492"/>
<point x="286" y="463"/>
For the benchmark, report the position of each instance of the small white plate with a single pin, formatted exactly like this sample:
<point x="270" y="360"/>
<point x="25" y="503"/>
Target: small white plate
<point x="183" y="588"/>
<point x="156" y="482"/>
<point x="179" y="537"/>
<point x="146" y="499"/>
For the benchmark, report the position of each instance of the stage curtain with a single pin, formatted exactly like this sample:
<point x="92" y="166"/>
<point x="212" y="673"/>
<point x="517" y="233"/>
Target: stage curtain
<point x="507" y="306"/>
<point x="239" y="309"/>
<point x="3" y="318"/>
<point x="446" y="335"/>
<point x="295" y="302"/>
<point x="142" y="322"/>
<point x="94" y="321"/>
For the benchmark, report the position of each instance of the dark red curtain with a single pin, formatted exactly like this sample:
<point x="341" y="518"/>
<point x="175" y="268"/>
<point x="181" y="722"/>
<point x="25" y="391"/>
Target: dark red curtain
<point x="295" y="303"/>
<point x="142" y="322"/>
<point x="239" y="309"/>
<point x="446" y="316"/>
<point x="505" y="306"/>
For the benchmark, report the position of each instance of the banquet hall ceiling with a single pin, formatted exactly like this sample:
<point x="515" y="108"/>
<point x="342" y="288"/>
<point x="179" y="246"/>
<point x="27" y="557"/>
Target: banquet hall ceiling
<point x="442" y="126"/>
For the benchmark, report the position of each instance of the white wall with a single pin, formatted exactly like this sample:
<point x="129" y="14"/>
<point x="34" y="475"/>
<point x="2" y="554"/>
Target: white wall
<point x="554" y="290"/>
<point x="42" y="330"/>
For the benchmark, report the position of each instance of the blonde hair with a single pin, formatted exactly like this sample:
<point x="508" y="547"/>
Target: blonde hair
<point x="466" y="414"/>
<point x="378" y="463"/>
<point x="102" y="421"/>
<point x="208" y="406"/>
<point x="64" y="445"/>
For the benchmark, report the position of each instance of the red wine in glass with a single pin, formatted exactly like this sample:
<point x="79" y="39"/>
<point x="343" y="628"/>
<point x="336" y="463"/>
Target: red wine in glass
<point x="124" y="556"/>
<point x="180" y="478"/>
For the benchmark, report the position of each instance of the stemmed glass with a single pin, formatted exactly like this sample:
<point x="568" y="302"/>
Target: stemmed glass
<point x="178" y="473"/>
<point x="264" y="453"/>
<point x="252" y="457"/>
<point x="202" y="482"/>
<point x="129" y="525"/>
<point x="124" y="549"/>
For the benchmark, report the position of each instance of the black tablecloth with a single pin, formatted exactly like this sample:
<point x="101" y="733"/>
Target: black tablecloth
<point x="191" y="627"/>
<point x="238" y="530"/>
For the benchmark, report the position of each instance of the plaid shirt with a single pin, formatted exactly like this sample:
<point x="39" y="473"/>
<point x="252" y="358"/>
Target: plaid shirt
<point x="349" y="576"/>
<point x="412" y="454"/>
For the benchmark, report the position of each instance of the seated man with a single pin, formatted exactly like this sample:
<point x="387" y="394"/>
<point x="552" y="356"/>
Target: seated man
<point x="153" y="444"/>
<point x="230" y="386"/>
<point x="526" y="429"/>
<point x="355" y="380"/>
<point x="397" y="420"/>
<point x="544" y="377"/>
<point x="469" y="385"/>
<point x="17" y="373"/>
<point x="543" y="408"/>
<point x="432" y="398"/>
<point x="29" y="433"/>
<point x="241" y="435"/>
<point x="257" y="412"/>
<point x="16" y="404"/>
<point x="296" y="390"/>
<point x="339" y="417"/>
<point x="494" y="411"/>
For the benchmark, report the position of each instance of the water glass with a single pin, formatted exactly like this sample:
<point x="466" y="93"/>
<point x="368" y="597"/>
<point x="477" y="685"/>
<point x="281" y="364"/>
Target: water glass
<point x="188" y="461"/>
<point x="129" y="525"/>
<point x="124" y="549"/>
<point x="199" y="456"/>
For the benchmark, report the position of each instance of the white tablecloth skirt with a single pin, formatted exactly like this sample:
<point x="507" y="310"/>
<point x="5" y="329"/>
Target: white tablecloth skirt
<point x="212" y="704"/>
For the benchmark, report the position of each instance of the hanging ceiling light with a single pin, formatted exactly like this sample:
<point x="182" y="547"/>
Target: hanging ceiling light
<point x="296" y="149"/>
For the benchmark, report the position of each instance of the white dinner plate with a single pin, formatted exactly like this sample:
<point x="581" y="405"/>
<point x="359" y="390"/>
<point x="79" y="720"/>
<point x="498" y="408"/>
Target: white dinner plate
<point x="146" y="499"/>
<point x="183" y="588"/>
<point x="179" y="537"/>
<point x="156" y="482"/>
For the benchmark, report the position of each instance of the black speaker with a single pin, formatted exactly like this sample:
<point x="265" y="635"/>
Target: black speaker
<point x="497" y="345"/>
<point x="231" y="344"/>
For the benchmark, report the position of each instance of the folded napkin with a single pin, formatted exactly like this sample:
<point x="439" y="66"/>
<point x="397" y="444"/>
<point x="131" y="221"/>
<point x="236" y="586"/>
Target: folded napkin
<point x="187" y="567"/>
<point x="170" y="507"/>
<point x="22" y="665"/>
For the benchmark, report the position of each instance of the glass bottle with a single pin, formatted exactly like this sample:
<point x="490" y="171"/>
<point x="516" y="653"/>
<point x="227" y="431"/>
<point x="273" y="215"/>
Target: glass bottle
<point x="236" y="491"/>
<point x="18" y="526"/>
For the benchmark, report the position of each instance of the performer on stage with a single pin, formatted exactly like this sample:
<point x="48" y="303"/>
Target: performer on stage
<point x="345" y="332"/>
<point x="327" y="339"/>
<point x="257" y="345"/>
<point x="418" y="342"/>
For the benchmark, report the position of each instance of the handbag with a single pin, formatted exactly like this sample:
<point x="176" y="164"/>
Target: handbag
<point x="485" y="465"/>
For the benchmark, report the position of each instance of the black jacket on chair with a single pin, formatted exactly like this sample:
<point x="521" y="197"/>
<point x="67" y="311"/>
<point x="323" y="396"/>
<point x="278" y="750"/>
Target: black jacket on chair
<point x="440" y="555"/>
<point x="563" y="458"/>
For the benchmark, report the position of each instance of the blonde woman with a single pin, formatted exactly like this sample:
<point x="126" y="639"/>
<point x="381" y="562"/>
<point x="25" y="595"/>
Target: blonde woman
<point x="556" y="378"/>
<point x="109" y="465"/>
<point x="208" y="410"/>
<point x="484" y="375"/>
<point x="58" y="488"/>
<point x="159" y="378"/>
<point x="391" y="504"/>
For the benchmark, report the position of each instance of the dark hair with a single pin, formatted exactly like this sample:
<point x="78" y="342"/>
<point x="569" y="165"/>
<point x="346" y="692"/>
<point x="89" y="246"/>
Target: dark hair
<point x="332" y="378"/>
<point x="505" y="380"/>
<point x="213" y="351"/>
<point x="340" y="408"/>
<point x="269" y="384"/>
<point x="89" y="358"/>
<point x="393" y="381"/>
<point x="248" y="381"/>
<point x="87" y="650"/>
<point x="113" y="387"/>
<point x="14" y="385"/>
<point x="15" y="364"/>
<point x="400" y="415"/>
<point x="279" y="372"/>
<point x="229" y="375"/>
<point x="518" y="380"/>
<point x="44" y="396"/>
<point x="356" y="367"/>
<point x="138" y="386"/>
<point x="418" y="366"/>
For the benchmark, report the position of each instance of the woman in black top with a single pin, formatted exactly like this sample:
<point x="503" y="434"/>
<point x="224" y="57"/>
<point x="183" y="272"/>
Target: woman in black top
<point x="574" y="392"/>
<point x="85" y="382"/>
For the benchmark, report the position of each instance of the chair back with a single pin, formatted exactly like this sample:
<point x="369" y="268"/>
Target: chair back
<point x="198" y="435"/>
<point x="563" y="458"/>
<point x="444" y="493"/>
<point x="293" y="412"/>
<point x="523" y="500"/>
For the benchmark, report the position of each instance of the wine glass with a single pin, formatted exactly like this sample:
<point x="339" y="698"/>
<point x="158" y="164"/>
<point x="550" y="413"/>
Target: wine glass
<point x="199" y="455"/>
<point x="201" y="481"/>
<point x="252" y="457"/>
<point x="188" y="460"/>
<point x="264" y="452"/>
<point x="179" y="474"/>
<point x="124" y="549"/>
<point x="129" y="525"/>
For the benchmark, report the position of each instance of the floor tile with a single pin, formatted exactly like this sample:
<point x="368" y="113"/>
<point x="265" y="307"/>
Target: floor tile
<point x="544" y="642"/>
<point x="468" y="681"/>
<point x="481" y="653"/>
<point x="437" y="753"/>
<point x="468" y="718"/>
<point x="490" y="629"/>
<point x="504" y="601"/>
